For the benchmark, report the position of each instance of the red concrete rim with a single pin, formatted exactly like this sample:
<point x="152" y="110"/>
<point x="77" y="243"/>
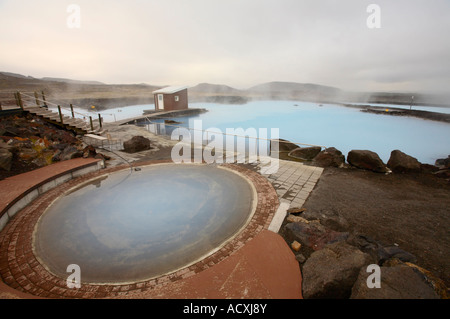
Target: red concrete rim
<point x="50" y="174"/>
<point x="21" y="270"/>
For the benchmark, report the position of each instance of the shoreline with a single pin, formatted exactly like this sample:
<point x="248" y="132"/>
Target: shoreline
<point x="393" y="111"/>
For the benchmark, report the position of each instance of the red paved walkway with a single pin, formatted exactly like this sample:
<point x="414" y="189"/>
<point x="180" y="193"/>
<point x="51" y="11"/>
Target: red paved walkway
<point x="265" y="268"/>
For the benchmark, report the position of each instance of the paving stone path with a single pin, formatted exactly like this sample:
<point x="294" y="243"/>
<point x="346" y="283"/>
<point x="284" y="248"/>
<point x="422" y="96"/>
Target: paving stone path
<point x="294" y="181"/>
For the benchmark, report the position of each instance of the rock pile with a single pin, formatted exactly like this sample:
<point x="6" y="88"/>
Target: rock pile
<point x="398" y="162"/>
<point x="28" y="142"/>
<point x="335" y="263"/>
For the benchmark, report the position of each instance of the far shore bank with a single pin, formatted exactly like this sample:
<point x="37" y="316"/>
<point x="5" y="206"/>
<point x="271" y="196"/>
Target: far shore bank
<point x="394" y="111"/>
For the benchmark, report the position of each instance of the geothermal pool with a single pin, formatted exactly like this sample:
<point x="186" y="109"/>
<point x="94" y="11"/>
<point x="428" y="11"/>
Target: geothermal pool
<point x="329" y="125"/>
<point x="135" y="225"/>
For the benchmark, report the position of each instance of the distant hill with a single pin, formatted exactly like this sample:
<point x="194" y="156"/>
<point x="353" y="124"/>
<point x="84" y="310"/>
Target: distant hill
<point x="15" y="75"/>
<point x="86" y="93"/>
<point x="207" y="88"/>
<point x="217" y="93"/>
<point x="72" y="81"/>
<point x="293" y="86"/>
<point x="80" y="93"/>
<point x="292" y="90"/>
<point x="271" y="90"/>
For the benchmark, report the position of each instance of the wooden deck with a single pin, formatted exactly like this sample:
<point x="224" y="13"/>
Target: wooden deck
<point x="67" y="122"/>
<point x="162" y="114"/>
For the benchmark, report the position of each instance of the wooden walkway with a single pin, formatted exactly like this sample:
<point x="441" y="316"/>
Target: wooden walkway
<point x="174" y="113"/>
<point x="67" y="122"/>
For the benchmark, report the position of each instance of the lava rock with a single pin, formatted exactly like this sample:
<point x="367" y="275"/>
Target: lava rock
<point x="305" y="153"/>
<point x="329" y="218"/>
<point x="89" y="152"/>
<point x="282" y="145"/>
<point x="443" y="162"/>
<point x="136" y="144"/>
<point x="5" y="159"/>
<point x="313" y="235"/>
<point x="386" y="253"/>
<point x="398" y="282"/>
<point x="428" y="169"/>
<point x="400" y="162"/>
<point x="330" y="157"/>
<point x="296" y="210"/>
<point x="27" y="154"/>
<point x="70" y="152"/>
<point x="332" y="271"/>
<point x="443" y="173"/>
<point x="380" y="253"/>
<point x="367" y="160"/>
<point x="300" y="258"/>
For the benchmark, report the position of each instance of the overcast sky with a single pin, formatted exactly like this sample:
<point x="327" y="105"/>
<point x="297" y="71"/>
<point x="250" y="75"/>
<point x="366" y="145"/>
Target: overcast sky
<point x="240" y="43"/>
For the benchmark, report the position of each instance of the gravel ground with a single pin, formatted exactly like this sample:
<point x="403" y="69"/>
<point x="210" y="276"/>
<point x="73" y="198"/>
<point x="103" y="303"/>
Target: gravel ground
<point x="410" y="210"/>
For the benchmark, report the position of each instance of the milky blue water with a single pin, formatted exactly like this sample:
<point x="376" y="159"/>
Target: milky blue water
<point x="131" y="226"/>
<point x="328" y="125"/>
<point x="334" y="126"/>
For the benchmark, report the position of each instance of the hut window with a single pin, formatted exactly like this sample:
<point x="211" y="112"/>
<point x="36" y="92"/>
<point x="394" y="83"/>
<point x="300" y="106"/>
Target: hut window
<point x="177" y="98"/>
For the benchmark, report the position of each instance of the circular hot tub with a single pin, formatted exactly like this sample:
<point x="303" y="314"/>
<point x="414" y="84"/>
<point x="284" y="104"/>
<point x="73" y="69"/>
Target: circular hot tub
<point x="132" y="226"/>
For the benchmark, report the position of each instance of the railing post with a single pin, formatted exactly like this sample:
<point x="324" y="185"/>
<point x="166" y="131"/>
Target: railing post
<point x="100" y="120"/>
<point x="43" y="98"/>
<point x="37" y="99"/>
<point x="71" y="109"/>
<point x="19" y="99"/>
<point x="60" y="114"/>
<point x="92" y="123"/>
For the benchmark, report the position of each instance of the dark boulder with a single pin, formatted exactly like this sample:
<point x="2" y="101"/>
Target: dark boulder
<point x="443" y="173"/>
<point x="429" y="169"/>
<point x="329" y="218"/>
<point x="137" y="144"/>
<point x="332" y="271"/>
<point x="378" y="251"/>
<point x="367" y="160"/>
<point x="27" y="154"/>
<point x="443" y="162"/>
<point x="313" y="235"/>
<point x="329" y="157"/>
<point x="70" y="152"/>
<point x="400" y="162"/>
<point x="398" y="282"/>
<point x="281" y="145"/>
<point x="89" y="152"/>
<point x="305" y="153"/>
<point x="5" y="159"/>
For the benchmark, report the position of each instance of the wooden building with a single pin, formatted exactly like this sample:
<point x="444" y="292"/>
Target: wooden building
<point x="171" y="98"/>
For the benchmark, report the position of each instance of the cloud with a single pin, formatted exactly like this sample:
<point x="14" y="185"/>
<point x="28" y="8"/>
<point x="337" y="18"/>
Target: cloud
<point x="239" y="43"/>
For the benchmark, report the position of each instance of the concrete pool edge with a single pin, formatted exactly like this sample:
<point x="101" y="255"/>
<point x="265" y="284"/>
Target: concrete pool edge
<point x="22" y="271"/>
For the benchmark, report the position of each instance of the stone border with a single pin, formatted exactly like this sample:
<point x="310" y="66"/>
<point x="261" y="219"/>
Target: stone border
<point x="21" y="270"/>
